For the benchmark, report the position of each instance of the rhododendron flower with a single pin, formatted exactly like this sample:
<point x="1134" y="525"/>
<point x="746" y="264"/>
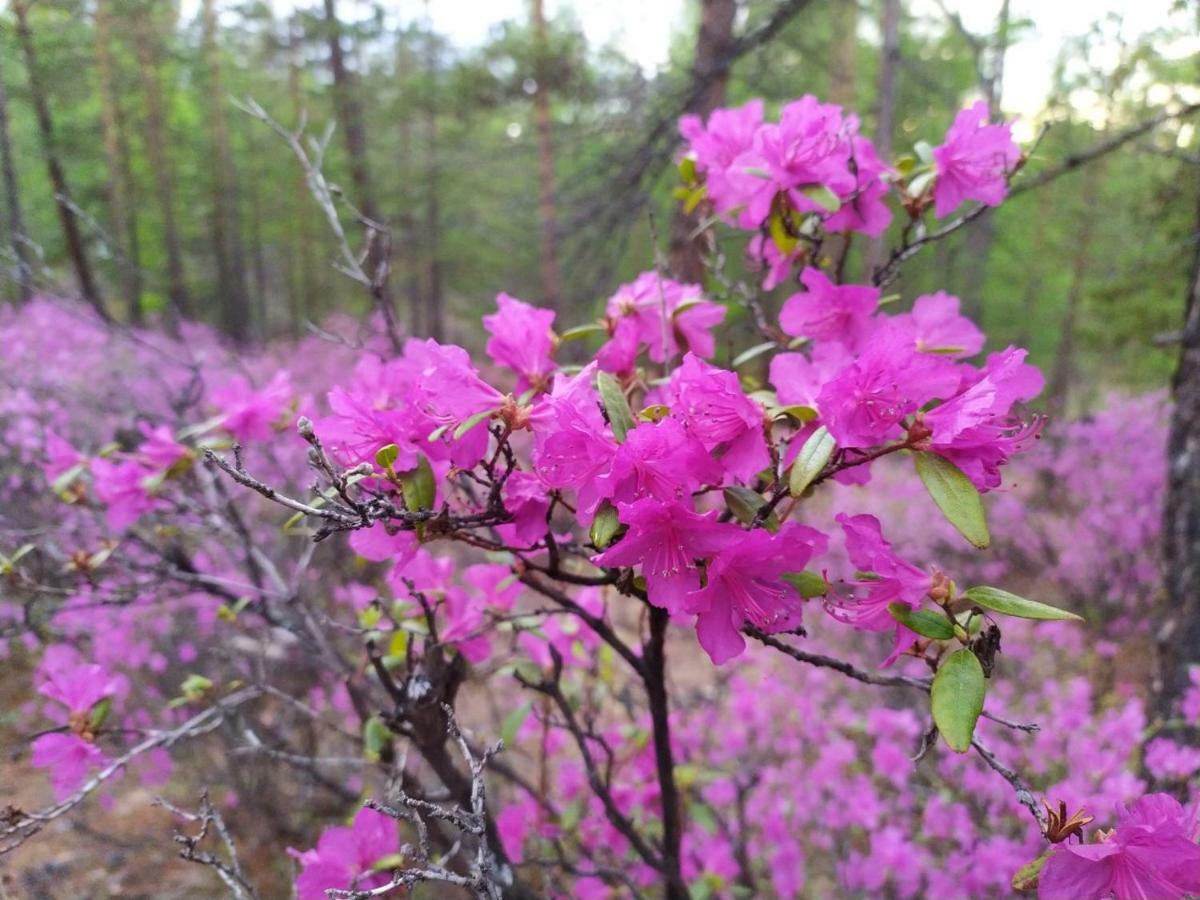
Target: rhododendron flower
<point x="449" y="388"/>
<point x="895" y="580"/>
<point x="763" y="253"/>
<point x="745" y="586"/>
<point x="974" y="161"/>
<point x="666" y="539"/>
<point x="159" y="448"/>
<point x="660" y="459"/>
<point x="384" y="543"/>
<point x="713" y="407"/>
<point x="524" y="497"/>
<point x="496" y="585"/>
<point x="344" y="858"/>
<point x="799" y="379"/>
<point x="936" y="326"/>
<point x="463" y="624"/>
<point x="863" y="405"/>
<point x="69" y="759"/>
<point x="522" y="340"/>
<point x="573" y="445"/>
<point x="66" y="679"/>
<point x="575" y="642"/>
<point x="121" y="487"/>
<point x="975" y="428"/>
<point x="1151" y="854"/>
<point x="729" y="133"/>
<point x="61" y="457"/>
<point x="656" y="312"/>
<point x="249" y="413"/>
<point x="863" y="209"/>
<point x="828" y="311"/>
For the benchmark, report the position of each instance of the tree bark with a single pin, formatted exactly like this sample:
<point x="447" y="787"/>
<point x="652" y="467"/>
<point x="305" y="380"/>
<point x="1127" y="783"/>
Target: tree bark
<point x="714" y="57"/>
<point x="225" y="223"/>
<point x="434" y="314"/>
<point x="545" y="147"/>
<point x="843" y="69"/>
<point x="885" y="107"/>
<point x="145" y="40"/>
<point x="120" y="177"/>
<point x="305" y="294"/>
<point x="58" y="178"/>
<point x="12" y="201"/>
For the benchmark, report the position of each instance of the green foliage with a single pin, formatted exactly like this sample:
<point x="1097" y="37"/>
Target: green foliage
<point x="956" y="698"/>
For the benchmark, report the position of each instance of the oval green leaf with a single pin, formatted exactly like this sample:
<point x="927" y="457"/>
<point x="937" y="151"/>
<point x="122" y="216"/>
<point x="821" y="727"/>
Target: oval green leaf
<point x="1012" y="605"/>
<point x="811" y="460"/>
<point x="419" y="486"/>
<point x="955" y="496"/>
<point x="924" y="622"/>
<point x="957" y="698"/>
<point x="605" y="526"/>
<point x="620" y="417"/>
<point x="745" y="504"/>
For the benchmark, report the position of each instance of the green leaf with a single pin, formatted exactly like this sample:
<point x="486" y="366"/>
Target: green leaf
<point x="687" y="168"/>
<point x="418" y="486"/>
<point x="802" y="414"/>
<point x="822" y="196"/>
<point x="605" y="525"/>
<point x="809" y="584"/>
<point x="620" y="417"/>
<point x="1025" y="879"/>
<point x="1011" y="605"/>
<point x="375" y="737"/>
<point x="385" y="457"/>
<point x="924" y="622"/>
<point x="195" y="686"/>
<point x="957" y="698"/>
<point x="924" y="152"/>
<point x="920" y="184"/>
<point x="512" y="724"/>
<point x="955" y="496"/>
<point x="470" y="423"/>
<point x="752" y="353"/>
<point x="780" y="235"/>
<point x="811" y="460"/>
<point x="582" y="331"/>
<point x="99" y="713"/>
<point x="654" y="413"/>
<point x="745" y="504"/>
<point x="389" y="862"/>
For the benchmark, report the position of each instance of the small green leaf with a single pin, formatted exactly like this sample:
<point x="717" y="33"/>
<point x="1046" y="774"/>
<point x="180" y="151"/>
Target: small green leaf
<point x="924" y="622"/>
<point x="924" y="151"/>
<point x="802" y="414"/>
<point x="955" y="496"/>
<point x="822" y="196"/>
<point x="195" y="686"/>
<point x="809" y="584"/>
<point x="745" y="504"/>
<point x="389" y="862"/>
<point x="582" y="331"/>
<point x="418" y="486"/>
<point x="99" y="713"/>
<point x="752" y="353"/>
<point x="687" y="168"/>
<point x="512" y="724"/>
<point x="780" y="234"/>
<point x="375" y="737"/>
<point x="654" y="413"/>
<point x="470" y="423"/>
<point x="811" y="460"/>
<point x="385" y="457"/>
<point x="1025" y="879"/>
<point x="605" y="525"/>
<point x="920" y="184"/>
<point x="1011" y="605"/>
<point x="957" y="698"/>
<point x="619" y="415"/>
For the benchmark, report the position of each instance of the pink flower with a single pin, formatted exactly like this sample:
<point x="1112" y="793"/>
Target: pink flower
<point x="524" y="497"/>
<point x="522" y="340"/>
<point x="61" y="457"/>
<point x="251" y="414"/>
<point x="828" y="311"/>
<point x="121" y="487"/>
<point x="864" y="404"/>
<point x="1152" y="854"/>
<point x="745" y="586"/>
<point x="712" y="406"/>
<point x="382" y="543"/>
<point x="729" y="133"/>
<point x="159" y="448"/>
<point x="344" y="857"/>
<point x="974" y="161"/>
<point x="895" y="581"/>
<point x="936" y="326"/>
<point x="448" y="387"/>
<point x="495" y="585"/>
<point x="66" y="679"/>
<point x="575" y="642"/>
<point x="666" y="540"/>
<point x="573" y="445"/>
<point x="662" y="460"/>
<point x="69" y="759"/>
<point x="656" y="312"/>
<point x="975" y="428"/>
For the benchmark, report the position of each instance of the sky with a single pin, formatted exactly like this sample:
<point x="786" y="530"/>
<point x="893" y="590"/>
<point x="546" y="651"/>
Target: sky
<point x="643" y="29"/>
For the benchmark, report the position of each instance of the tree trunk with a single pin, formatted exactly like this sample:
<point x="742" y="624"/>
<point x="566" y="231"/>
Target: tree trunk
<point x="710" y="74"/>
<point x="225" y="223"/>
<point x="843" y="68"/>
<point x="58" y="179"/>
<point x="1179" y="633"/>
<point x="120" y="177"/>
<point x="12" y="202"/>
<point x="409" y="241"/>
<point x="304" y="299"/>
<point x="545" y="147"/>
<point x="145" y="39"/>
<point x="885" y="107"/>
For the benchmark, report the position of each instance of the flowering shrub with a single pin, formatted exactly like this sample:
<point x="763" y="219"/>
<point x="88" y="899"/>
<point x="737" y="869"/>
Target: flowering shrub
<point x="354" y="556"/>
